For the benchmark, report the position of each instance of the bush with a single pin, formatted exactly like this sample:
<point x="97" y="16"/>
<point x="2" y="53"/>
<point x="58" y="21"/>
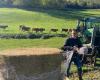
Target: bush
<point x="30" y="36"/>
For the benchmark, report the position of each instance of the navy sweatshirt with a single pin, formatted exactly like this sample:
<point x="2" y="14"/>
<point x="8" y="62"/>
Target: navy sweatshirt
<point x="73" y="42"/>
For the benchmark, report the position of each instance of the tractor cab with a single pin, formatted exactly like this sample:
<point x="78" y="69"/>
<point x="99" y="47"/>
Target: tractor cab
<point x="86" y="26"/>
<point x="90" y="31"/>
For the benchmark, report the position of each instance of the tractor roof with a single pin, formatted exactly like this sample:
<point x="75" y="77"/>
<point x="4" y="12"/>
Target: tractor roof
<point x="91" y="19"/>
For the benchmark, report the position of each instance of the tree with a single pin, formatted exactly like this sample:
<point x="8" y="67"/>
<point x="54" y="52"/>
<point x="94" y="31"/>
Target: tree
<point x="62" y="4"/>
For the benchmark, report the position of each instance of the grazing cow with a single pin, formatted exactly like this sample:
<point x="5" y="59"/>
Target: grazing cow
<point x="38" y="29"/>
<point x="24" y="28"/>
<point x="53" y="30"/>
<point x="3" y="26"/>
<point x="64" y="30"/>
<point x="42" y="29"/>
<point x="35" y="29"/>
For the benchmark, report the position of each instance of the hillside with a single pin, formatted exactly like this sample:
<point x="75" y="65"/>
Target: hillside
<point x="13" y="17"/>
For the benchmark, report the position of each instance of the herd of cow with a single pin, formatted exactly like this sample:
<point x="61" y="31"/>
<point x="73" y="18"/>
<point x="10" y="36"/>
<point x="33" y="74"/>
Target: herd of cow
<point x="26" y="28"/>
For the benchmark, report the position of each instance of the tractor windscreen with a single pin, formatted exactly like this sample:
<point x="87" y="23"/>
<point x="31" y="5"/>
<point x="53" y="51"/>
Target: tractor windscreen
<point x="92" y="24"/>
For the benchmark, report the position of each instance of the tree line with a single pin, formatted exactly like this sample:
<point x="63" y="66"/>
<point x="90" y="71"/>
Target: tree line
<point x="57" y="4"/>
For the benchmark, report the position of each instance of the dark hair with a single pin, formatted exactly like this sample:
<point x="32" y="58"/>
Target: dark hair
<point x="75" y="30"/>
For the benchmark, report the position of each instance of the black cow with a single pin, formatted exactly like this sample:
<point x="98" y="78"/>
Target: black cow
<point x="64" y="30"/>
<point x="24" y="28"/>
<point x="53" y="30"/>
<point x="38" y="29"/>
<point x="3" y="26"/>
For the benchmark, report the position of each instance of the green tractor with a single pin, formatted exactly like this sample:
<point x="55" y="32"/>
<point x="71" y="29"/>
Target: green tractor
<point x="89" y="28"/>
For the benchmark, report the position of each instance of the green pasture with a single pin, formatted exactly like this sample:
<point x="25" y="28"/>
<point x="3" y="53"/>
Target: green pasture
<point x="25" y="43"/>
<point x="13" y="17"/>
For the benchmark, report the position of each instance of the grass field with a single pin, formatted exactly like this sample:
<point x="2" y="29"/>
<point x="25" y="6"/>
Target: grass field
<point x="24" y="43"/>
<point x="13" y="17"/>
<point x="47" y="19"/>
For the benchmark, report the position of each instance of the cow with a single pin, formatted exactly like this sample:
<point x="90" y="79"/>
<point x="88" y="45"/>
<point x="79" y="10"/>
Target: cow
<point x="53" y="30"/>
<point x="38" y="29"/>
<point x="64" y="30"/>
<point x="3" y="26"/>
<point x="24" y="28"/>
<point x="42" y="29"/>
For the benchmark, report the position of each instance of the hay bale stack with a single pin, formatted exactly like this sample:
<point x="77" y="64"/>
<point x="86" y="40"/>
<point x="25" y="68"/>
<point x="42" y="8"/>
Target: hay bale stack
<point x="33" y="63"/>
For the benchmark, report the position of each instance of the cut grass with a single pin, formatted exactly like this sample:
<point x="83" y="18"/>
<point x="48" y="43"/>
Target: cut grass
<point x="23" y="43"/>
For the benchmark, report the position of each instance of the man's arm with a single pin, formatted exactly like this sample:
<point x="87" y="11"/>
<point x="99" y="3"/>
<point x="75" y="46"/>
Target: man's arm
<point x="79" y="43"/>
<point x="67" y="45"/>
<point x="66" y="42"/>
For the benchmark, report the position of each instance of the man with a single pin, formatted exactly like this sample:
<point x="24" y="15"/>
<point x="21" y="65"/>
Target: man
<point x="74" y="42"/>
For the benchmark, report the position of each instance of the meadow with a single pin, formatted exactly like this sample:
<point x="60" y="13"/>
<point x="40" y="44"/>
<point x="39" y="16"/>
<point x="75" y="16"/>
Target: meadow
<point x="13" y="17"/>
<point x="39" y="18"/>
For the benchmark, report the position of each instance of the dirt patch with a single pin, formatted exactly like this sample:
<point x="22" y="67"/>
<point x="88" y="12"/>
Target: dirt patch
<point x="30" y="51"/>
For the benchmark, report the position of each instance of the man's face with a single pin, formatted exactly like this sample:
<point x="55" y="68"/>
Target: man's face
<point x="74" y="34"/>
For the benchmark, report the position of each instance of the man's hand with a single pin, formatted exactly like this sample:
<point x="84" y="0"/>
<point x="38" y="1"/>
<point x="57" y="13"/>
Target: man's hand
<point x="67" y="48"/>
<point x="75" y="48"/>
